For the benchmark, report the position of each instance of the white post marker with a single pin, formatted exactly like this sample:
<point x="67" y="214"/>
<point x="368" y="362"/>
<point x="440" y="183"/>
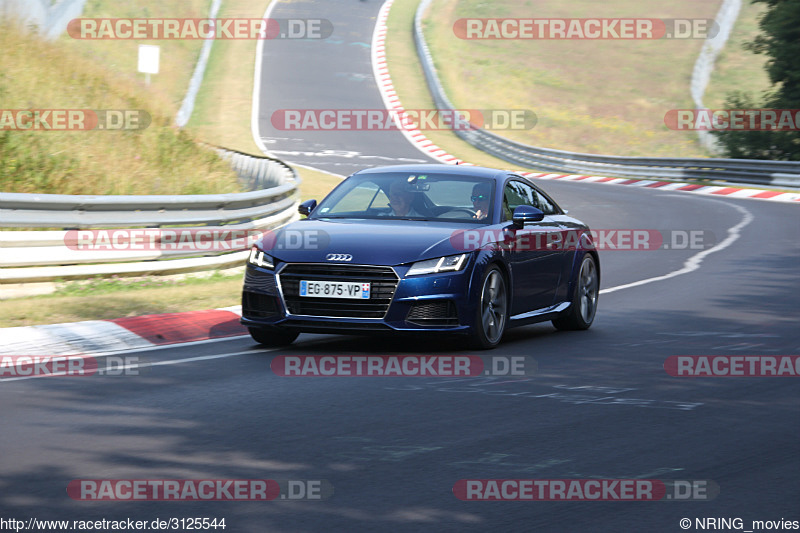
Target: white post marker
<point x="148" y="60"/>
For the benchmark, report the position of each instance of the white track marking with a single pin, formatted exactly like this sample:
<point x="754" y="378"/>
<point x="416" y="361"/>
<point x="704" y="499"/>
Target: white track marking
<point x="257" y="87"/>
<point x="389" y="96"/>
<point x="256" y="351"/>
<point x="334" y="174"/>
<point x="203" y="358"/>
<point x="693" y="263"/>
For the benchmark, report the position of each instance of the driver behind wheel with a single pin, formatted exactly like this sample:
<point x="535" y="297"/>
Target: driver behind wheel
<point x="481" y="194"/>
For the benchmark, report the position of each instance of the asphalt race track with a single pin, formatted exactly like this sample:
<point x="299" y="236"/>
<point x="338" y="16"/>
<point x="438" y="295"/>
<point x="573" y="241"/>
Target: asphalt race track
<point x="333" y="73"/>
<point x="600" y="407"/>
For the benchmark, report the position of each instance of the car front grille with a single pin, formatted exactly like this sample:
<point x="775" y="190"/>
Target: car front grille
<point x="262" y="282"/>
<point x="336" y="327"/>
<point x="438" y="313"/>
<point x="383" y="282"/>
<point x="255" y="305"/>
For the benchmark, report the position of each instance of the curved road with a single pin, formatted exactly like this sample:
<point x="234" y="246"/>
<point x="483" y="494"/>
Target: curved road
<point x="601" y="405"/>
<point x="332" y="73"/>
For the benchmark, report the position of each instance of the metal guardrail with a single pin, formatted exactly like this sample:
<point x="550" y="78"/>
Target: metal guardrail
<point x="781" y="173"/>
<point x="77" y="211"/>
<point x="257" y="173"/>
<point x="46" y="255"/>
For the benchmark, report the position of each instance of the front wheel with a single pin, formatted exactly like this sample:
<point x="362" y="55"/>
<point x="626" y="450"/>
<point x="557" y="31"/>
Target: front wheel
<point x="273" y="336"/>
<point x="580" y="314"/>
<point x="492" y="311"/>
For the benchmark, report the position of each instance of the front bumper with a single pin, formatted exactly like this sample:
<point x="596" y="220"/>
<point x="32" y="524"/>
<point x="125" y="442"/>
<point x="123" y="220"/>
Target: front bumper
<point x="432" y="303"/>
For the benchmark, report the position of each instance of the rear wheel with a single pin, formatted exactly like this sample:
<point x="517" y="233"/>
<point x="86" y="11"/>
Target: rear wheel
<point x="273" y="336"/>
<point x="492" y="311"/>
<point x="580" y="314"/>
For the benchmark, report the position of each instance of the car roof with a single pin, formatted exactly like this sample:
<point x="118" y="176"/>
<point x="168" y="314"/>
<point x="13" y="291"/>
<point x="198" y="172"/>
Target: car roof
<point x="463" y="170"/>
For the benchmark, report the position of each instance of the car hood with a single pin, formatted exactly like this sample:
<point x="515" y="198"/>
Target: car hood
<point x="370" y="242"/>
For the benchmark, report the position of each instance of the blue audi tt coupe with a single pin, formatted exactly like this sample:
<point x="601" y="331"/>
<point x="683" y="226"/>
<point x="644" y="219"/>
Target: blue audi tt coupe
<point x="423" y="248"/>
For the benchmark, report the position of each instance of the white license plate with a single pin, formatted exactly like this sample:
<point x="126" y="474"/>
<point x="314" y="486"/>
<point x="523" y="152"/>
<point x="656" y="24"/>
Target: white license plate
<point x="334" y="289"/>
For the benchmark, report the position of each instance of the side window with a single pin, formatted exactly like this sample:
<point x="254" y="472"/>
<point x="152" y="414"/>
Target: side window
<point x="517" y="194"/>
<point x="514" y="195"/>
<point x="544" y="204"/>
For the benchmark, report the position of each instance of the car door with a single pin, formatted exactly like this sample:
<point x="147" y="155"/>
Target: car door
<point x="536" y="257"/>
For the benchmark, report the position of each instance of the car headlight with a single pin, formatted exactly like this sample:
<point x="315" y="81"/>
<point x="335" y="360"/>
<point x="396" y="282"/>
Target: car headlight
<point x="259" y="258"/>
<point x="451" y="263"/>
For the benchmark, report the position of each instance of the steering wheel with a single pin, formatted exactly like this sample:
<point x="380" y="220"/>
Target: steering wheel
<point x="469" y="212"/>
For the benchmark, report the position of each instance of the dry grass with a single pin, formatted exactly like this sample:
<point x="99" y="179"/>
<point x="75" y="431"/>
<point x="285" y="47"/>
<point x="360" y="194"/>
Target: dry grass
<point x="71" y="74"/>
<point x="190" y="295"/>
<point x="224" y="105"/>
<point x="602" y="96"/>
<point x="408" y="80"/>
<point x="737" y="69"/>
<point x="221" y="117"/>
<point x="590" y="96"/>
<point x="119" y="58"/>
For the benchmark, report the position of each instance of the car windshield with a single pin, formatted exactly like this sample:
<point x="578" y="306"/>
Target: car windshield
<point x="441" y="197"/>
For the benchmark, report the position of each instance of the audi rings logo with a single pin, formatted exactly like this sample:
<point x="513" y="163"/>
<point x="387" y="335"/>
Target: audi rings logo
<point x="338" y="257"/>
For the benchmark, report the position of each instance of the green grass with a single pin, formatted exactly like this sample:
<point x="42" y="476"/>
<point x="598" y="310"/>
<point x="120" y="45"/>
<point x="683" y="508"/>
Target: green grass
<point x="107" y="299"/>
<point x="95" y="286"/>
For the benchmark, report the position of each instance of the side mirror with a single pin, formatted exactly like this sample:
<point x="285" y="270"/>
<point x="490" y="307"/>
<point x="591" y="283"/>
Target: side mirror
<point x="524" y="214"/>
<point x="306" y="207"/>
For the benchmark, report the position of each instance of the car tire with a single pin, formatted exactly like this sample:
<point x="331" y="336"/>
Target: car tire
<point x="491" y="314"/>
<point x="273" y="336"/>
<point x="580" y="314"/>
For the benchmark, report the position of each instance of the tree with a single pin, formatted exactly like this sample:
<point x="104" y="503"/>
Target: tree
<point x="780" y="41"/>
